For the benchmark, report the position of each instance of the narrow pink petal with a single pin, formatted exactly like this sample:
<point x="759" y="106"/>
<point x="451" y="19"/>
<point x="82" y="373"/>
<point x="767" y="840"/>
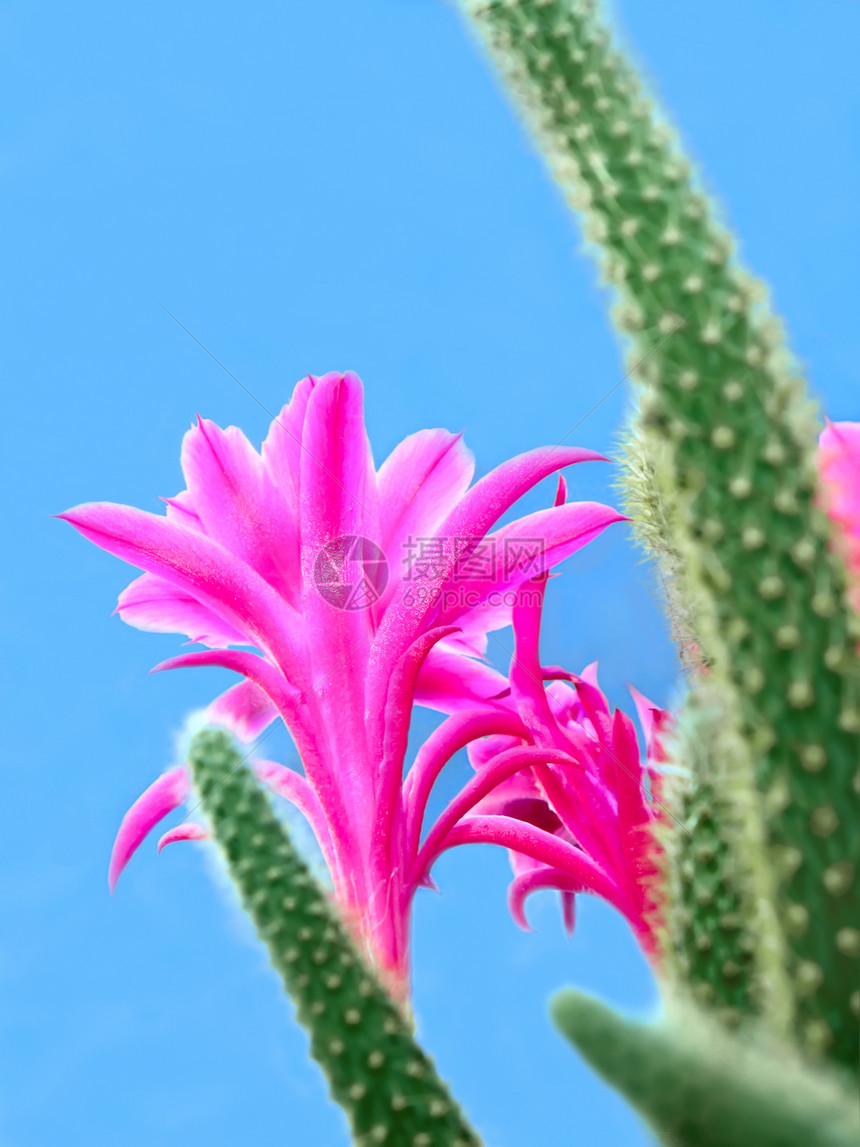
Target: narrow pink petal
<point x="839" y="469"/>
<point x="401" y="693"/>
<point x="304" y="722"/>
<point x="188" y="830"/>
<point x="450" y="682"/>
<point x="495" y="493"/>
<point x="523" y="885"/>
<point x="654" y="721"/>
<point x="163" y="796"/>
<point x="257" y="669"/>
<point x="181" y="509"/>
<point x="526" y="547"/>
<point x="500" y="769"/>
<point x="471" y="642"/>
<point x="451" y="736"/>
<point x="293" y="787"/>
<point x="539" y="845"/>
<point x="282" y="449"/>
<point x="561" y="491"/>
<point x="596" y="709"/>
<point x="471" y="518"/>
<point x="483" y="750"/>
<point x="240" y="506"/>
<point x="339" y="499"/>
<point x="568" y="911"/>
<point x="839" y="465"/>
<point x="245" y="709"/>
<point x="338" y="481"/>
<point x="395" y="738"/>
<point x="158" y="606"/>
<point x="485" y="618"/>
<point x="526" y="673"/>
<point x="420" y="482"/>
<point x="198" y="565"/>
<point x="632" y="804"/>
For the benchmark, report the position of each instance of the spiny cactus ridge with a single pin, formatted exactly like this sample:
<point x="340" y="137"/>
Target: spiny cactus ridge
<point x="376" y="1071"/>
<point x="721" y="392"/>
<point x="708" y="941"/>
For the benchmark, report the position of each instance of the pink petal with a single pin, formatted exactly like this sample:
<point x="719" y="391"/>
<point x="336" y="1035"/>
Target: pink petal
<point x="632" y="804"/>
<point x="199" y="566"/>
<point x="654" y="721"/>
<point x="339" y="499"/>
<point x="188" y="830"/>
<point x="539" y="845"/>
<point x="839" y="468"/>
<point x="153" y="604"/>
<point x="500" y="769"/>
<point x="163" y="796"/>
<point x="338" y="481"/>
<point x="526" y="673"/>
<point x="471" y="518"/>
<point x="401" y="692"/>
<point x="301" y="713"/>
<point x="560" y="531"/>
<point x="245" y="709"/>
<point x="568" y="911"/>
<point x="419" y="483"/>
<point x="180" y="508"/>
<point x="495" y="493"/>
<point x="240" y="506"/>
<point x="477" y="623"/>
<point x="397" y="717"/>
<point x="523" y="885"/>
<point x="282" y="449"/>
<point x="839" y="465"/>
<point x="257" y="669"/>
<point x="293" y="787"/>
<point x="450" y="682"/>
<point x="451" y="736"/>
<point x="482" y="751"/>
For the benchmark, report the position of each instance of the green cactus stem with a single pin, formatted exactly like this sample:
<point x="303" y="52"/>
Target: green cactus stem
<point x="721" y="938"/>
<point x="698" y="1086"/>
<point x="386" y="1084"/>
<point x="720" y="390"/>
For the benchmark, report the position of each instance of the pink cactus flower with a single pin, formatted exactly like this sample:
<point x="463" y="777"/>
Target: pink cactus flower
<point x="299" y="553"/>
<point x="839" y="467"/>
<point x="585" y="829"/>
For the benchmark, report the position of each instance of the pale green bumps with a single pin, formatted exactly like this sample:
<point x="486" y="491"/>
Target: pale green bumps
<point x="721" y="938"/>
<point x="376" y="1071"/>
<point x="721" y="391"/>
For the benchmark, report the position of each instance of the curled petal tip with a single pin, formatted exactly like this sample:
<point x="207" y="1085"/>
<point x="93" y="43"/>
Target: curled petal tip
<point x="162" y="797"/>
<point x="519" y="915"/>
<point x="190" y="831"/>
<point x="568" y="912"/>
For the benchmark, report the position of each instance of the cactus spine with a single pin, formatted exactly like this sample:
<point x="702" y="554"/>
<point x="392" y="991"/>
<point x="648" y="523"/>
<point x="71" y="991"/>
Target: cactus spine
<point x="720" y="391"/>
<point x="376" y="1071"/>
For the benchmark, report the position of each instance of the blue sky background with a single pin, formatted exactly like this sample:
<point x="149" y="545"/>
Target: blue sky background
<point x="309" y="187"/>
